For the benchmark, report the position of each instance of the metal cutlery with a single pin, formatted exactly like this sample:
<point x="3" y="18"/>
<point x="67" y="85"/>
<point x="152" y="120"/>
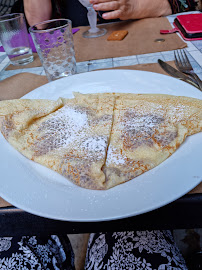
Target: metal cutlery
<point x="183" y="64"/>
<point x="176" y="73"/>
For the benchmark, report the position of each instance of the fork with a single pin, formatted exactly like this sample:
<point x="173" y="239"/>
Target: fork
<point x="183" y="64"/>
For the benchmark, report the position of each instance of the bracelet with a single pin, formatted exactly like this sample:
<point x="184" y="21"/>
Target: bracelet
<point x="178" y="6"/>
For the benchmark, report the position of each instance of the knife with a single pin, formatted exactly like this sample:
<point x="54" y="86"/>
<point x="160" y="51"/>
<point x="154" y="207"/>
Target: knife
<point x="176" y="73"/>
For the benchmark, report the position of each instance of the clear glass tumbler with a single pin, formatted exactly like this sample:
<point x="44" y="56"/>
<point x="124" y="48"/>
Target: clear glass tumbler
<point x="14" y="38"/>
<point x="53" y="40"/>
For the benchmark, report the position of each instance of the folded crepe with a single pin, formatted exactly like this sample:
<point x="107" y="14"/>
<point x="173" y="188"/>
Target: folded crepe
<point x="98" y="141"/>
<point x="69" y="136"/>
<point x="146" y="132"/>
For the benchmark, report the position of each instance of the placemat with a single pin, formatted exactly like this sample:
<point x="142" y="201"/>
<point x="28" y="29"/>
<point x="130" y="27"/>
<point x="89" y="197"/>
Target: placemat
<point x="4" y="203"/>
<point x="141" y="39"/>
<point x="21" y="84"/>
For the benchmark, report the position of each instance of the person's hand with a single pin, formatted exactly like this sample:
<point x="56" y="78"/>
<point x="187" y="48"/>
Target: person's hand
<point x="121" y="9"/>
<point x="132" y="9"/>
<point x="36" y="12"/>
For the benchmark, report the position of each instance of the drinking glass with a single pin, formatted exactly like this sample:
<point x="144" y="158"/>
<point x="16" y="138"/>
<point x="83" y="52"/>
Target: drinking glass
<point x="14" y="38"/>
<point x="53" y="40"/>
<point x="94" y="31"/>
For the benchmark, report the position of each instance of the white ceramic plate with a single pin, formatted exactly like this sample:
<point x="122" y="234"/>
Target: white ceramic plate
<point x="43" y="192"/>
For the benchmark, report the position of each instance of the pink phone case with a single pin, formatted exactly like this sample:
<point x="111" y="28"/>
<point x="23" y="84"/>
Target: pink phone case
<point x="188" y="25"/>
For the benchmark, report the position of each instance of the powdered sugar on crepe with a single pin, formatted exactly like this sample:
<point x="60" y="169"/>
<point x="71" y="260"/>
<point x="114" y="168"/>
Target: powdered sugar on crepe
<point x="137" y="123"/>
<point x="114" y="157"/>
<point x="70" y="124"/>
<point x="65" y="126"/>
<point x="69" y="127"/>
<point x="177" y="112"/>
<point x="95" y="144"/>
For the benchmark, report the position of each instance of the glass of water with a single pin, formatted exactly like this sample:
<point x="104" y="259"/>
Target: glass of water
<point x="14" y="38"/>
<point x="53" y="40"/>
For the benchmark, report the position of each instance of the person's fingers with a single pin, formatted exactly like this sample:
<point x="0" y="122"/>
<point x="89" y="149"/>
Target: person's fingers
<point x="112" y="15"/>
<point x="99" y="1"/>
<point x="113" y="5"/>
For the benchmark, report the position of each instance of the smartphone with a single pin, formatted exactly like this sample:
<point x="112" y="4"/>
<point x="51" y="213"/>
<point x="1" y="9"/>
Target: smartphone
<point x="190" y="25"/>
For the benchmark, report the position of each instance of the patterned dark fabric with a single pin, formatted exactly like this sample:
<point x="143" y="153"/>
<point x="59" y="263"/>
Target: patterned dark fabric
<point x="178" y="6"/>
<point x="148" y="250"/>
<point x="36" y="253"/>
<point x="140" y="250"/>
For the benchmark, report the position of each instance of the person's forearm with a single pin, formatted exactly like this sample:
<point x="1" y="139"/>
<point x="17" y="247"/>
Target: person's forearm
<point x="156" y="8"/>
<point x="37" y="10"/>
